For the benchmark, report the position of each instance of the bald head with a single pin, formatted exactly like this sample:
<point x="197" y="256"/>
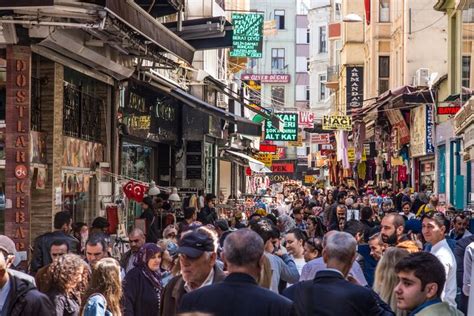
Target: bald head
<point x="136" y="239"/>
<point x="243" y="247"/>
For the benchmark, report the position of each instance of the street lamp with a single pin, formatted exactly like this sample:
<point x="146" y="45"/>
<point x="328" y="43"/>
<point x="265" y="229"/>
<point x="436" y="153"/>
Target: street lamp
<point x="352" y="18"/>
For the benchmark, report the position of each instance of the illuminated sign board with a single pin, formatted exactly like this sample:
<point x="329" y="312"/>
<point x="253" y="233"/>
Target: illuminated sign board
<point x="248" y="35"/>
<point x="290" y="128"/>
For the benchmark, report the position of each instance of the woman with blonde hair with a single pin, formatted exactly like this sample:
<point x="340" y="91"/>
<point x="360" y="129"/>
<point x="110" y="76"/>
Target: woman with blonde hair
<point x="386" y="278"/>
<point x="105" y="290"/>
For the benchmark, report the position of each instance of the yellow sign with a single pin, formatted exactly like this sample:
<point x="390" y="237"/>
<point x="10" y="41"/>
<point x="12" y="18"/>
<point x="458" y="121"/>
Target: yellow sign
<point x="266" y="158"/>
<point x="298" y="143"/>
<point x="308" y="179"/>
<point x="351" y="154"/>
<point x="337" y="122"/>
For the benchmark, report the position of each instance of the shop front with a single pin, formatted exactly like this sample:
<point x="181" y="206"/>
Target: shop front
<point x="464" y="127"/>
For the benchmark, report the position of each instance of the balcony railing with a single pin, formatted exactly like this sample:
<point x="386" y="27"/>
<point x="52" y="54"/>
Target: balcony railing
<point x="332" y="73"/>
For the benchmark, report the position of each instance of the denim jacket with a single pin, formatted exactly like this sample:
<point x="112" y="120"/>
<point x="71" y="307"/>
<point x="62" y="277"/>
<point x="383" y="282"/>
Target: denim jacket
<point x="96" y="306"/>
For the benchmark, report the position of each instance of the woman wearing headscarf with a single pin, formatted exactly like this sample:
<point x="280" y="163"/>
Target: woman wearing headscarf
<point x="142" y="285"/>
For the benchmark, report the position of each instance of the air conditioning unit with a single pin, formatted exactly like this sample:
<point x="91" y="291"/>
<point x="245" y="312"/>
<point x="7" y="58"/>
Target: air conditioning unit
<point x="422" y="77"/>
<point x="222" y="100"/>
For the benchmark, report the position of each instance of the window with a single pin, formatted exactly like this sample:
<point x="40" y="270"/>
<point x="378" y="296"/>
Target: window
<point x="308" y="35"/>
<point x="466" y="71"/>
<point x="280" y="19"/>
<point x="307" y="93"/>
<point x="468" y="14"/>
<point x="384" y="11"/>
<point x="384" y="73"/>
<point x="278" y="59"/>
<point x="322" y="40"/>
<point x="308" y="65"/>
<point x="278" y="96"/>
<point x="253" y="62"/>
<point x="322" y="87"/>
<point x="337" y="11"/>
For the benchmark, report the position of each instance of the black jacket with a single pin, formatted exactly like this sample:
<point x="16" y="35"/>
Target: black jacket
<point x="41" y="256"/>
<point x="330" y="294"/>
<point x="207" y="215"/>
<point x="25" y="300"/>
<point x="461" y="246"/>
<point x="140" y="296"/>
<point x="239" y="294"/>
<point x="65" y="306"/>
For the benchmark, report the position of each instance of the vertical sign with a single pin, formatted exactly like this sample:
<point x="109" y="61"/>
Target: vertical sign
<point x="429" y="129"/>
<point x="354" y="88"/>
<point x="17" y="142"/>
<point x="248" y="35"/>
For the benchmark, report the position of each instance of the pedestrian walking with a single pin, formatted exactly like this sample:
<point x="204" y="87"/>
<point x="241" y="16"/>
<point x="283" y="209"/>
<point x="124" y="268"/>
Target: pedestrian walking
<point x="66" y="273"/>
<point x="239" y="293"/>
<point x="142" y="286"/>
<point x="105" y="290"/>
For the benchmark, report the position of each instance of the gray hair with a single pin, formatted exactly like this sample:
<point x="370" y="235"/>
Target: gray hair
<point x="341" y="246"/>
<point x="137" y="232"/>
<point x="287" y="222"/>
<point x="243" y="247"/>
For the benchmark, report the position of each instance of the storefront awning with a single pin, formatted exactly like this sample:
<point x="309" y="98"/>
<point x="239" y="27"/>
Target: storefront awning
<point x="247" y="126"/>
<point x="144" y="24"/>
<point x="254" y="164"/>
<point x="207" y="33"/>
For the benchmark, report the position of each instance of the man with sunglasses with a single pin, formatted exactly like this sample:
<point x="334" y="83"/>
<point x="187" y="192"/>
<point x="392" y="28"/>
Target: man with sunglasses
<point x="136" y="239"/>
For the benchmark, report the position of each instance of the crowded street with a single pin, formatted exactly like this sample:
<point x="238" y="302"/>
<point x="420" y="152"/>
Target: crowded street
<point x="236" y="157"/>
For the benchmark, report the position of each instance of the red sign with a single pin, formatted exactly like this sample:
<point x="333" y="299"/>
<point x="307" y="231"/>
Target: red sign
<point x="306" y="119"/>
<point x="448" y="110"/>
<point x="326" y="152"/>
<point x="320" y="139"/>
<point x="283" y="167"/>
<point x="17" y="145"/>
<point x="266" y="148"/>
<point x="276" y="78"/>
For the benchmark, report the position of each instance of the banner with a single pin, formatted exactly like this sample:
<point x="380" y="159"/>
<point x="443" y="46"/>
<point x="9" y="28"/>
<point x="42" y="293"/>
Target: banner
<point x="337" y="122"/>
<point x="354" y="88"/>
<point x="398" y="123"/>
<point x="266" y="158"/>
<point x="421" y="132"/>
<point x="320" y="138"/>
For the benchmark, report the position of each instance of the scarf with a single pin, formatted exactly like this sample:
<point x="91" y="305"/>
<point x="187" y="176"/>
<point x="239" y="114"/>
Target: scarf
<point x="146" y="252"/>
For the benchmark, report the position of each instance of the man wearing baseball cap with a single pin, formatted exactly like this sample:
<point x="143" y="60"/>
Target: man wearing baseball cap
<point x="197" y="251"/>
<point x="18" y="296"/>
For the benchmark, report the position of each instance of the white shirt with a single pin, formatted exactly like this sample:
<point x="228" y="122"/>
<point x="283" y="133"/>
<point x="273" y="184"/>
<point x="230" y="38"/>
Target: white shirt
<point x="466" y="278"/>
<point x="409" y="216"/>
<point x="206" y="282"/>
<point x="4" y="291"/>
<point x="442" y="251"/>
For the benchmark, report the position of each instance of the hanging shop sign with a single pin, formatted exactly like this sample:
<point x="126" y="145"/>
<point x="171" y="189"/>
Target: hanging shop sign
<point x="283" y="167"/>
<point x="464" y="117"/>
<point x="193" y="160"/>
<point x="266" y="158"/>
<point x="267" y="148"/>
<point x="306" y="119"/>
<point x="320" y="138"/>
<point x="398" y="123"/>
<point x="290" y="128"/>
<point x="447" y="110"/>
<point x="369" y="149"/>
<point x="298" y="143"/>
<point x="248" y="35"/>
<point x="309" y="179"/>
<point x="421" y="132"/>
<point x="267" y="78"/>
<point x="17" y="145"/>
<point x="351" y="155"/>
<point x="337" y="122"/>
<point x="354" y="88"/>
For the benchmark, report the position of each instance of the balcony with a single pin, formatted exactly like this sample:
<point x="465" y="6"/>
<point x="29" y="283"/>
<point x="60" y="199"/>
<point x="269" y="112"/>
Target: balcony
<point x="332" y="79"/>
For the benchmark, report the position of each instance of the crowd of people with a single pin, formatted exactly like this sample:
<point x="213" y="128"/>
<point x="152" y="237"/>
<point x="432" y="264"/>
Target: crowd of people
<point x="302" y="251"/>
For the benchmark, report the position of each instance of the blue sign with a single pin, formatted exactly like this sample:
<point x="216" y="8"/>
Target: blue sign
<point x="429" y="129"/>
